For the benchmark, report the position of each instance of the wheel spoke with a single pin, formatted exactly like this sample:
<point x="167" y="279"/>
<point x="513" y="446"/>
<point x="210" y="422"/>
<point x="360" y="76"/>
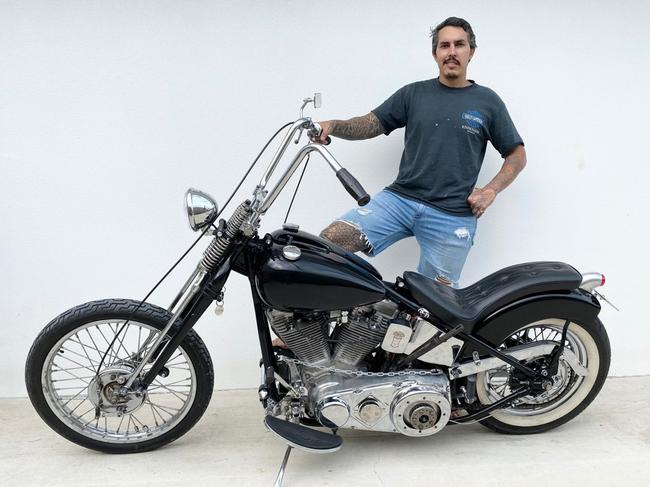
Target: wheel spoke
<point x="63" y="355"/>
<point x="91" y="419"/>
<point x="153" y="413"/>
<point x="73" y="397"/>
<point x="75" y="368"/>
<point x="171" y="361"/>
<point x="71" y="378"/>
<point x="99" y="352"/>
<point x="175" y="393"/>
<point x="109" y="351"/>
<point x="165" y="409"/>
<point x="119" y="340"/>
<point x="83" y="347"/>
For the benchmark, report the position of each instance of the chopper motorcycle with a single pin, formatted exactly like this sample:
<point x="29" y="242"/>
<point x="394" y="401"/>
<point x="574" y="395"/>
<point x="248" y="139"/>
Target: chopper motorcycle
<point x="521" y="351"/>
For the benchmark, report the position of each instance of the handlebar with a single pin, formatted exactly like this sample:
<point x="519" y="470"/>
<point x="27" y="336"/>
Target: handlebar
<point x="264" y="199"/>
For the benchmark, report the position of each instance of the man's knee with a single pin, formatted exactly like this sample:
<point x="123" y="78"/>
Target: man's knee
<point x="347" y="236"/>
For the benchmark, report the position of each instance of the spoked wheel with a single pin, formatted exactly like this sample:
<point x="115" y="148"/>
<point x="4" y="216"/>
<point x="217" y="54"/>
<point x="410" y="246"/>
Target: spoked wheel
<point x="570" y="392"/>
<point x="80" y="399"/>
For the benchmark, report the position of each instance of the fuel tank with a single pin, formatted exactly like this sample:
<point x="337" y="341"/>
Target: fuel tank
<point x="318" y="276"/>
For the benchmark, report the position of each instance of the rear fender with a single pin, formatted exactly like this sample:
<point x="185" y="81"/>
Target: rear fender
<point x="577" y="305"/>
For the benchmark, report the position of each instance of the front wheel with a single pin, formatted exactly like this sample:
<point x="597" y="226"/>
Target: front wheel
<point x="78" y="399"/>
<point x="570" y="393"/>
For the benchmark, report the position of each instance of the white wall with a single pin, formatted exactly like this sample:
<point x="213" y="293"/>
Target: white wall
<point x="110" y="110"/>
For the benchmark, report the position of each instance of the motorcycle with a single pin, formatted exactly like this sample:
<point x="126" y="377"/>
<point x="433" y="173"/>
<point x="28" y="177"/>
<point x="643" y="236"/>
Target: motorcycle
<point x="520" y="351"/>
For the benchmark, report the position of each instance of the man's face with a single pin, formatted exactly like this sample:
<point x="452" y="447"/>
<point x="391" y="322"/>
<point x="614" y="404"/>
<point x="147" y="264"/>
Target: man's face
<point x="453" y="52"/>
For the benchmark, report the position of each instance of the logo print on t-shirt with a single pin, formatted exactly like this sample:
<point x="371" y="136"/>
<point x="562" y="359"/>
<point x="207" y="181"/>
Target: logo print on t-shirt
<point x="472" y="121"/>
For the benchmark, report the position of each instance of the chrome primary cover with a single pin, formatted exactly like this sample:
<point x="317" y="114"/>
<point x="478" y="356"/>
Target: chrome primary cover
<point x="417" y="403"/>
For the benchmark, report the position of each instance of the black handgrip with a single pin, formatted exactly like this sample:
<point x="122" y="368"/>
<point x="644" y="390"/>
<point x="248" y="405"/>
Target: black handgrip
<point x="353" y="187"/>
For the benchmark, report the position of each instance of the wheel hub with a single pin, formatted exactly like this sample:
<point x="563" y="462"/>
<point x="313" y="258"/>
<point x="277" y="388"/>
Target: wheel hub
<point x="546" y="390"/>
<point x="105" y="392"/>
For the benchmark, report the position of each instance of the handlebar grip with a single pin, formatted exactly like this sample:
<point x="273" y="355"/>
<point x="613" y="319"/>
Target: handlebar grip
<point x="353" y="187"/>
<point x="315" y="132"/>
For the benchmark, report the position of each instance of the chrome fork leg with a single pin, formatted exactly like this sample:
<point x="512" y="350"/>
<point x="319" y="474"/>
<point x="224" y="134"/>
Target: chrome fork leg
<point x="278" y="479"/>
<point x="196" y="284"/>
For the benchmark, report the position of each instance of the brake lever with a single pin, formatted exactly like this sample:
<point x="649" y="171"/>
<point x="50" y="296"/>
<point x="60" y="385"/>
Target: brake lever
<point x="299" y="136"/>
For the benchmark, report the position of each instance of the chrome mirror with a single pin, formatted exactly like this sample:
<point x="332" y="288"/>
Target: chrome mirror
<point x="317" y="100"/>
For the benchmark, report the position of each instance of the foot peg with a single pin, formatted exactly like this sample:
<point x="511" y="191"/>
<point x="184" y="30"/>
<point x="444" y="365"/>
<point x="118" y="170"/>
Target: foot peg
<point x="301" y="437"/>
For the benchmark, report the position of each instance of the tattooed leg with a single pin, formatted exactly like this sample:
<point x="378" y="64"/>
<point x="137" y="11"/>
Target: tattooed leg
<point x="347" y="236"/>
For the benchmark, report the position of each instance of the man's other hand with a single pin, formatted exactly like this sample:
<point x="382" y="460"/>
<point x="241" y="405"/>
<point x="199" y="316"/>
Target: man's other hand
<point x="480" y="199"/>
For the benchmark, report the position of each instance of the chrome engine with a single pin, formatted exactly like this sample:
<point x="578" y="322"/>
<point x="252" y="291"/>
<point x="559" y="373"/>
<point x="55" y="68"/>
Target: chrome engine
<point x="354" y="334"/>
<point x="340" y="393"/>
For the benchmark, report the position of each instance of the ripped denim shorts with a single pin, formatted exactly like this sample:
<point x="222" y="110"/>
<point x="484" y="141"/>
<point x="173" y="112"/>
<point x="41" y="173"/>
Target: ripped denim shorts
<point x="444" y="239"/>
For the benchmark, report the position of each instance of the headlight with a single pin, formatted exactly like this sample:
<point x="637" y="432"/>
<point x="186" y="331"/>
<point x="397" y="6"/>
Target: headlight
<point x="201" y="208"/>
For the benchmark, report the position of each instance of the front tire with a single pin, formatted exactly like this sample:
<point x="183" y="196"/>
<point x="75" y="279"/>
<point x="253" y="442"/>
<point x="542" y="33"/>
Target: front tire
<point x="77" y="400"/>
<point x="570" y="394"/>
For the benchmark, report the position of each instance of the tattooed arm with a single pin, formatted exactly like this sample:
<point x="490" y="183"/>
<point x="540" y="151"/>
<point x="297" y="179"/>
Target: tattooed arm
<point x="481" y="198"/>
<point x="357" y="128"/>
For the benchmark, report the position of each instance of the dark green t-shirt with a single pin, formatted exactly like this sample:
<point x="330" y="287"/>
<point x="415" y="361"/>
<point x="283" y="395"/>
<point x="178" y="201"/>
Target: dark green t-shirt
<point x="447" y="130"/>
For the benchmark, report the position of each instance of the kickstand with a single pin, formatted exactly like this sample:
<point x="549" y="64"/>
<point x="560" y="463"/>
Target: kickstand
<point x="278" y="479"/>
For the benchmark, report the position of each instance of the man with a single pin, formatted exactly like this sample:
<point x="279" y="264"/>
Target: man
<point x="448" y="122"/>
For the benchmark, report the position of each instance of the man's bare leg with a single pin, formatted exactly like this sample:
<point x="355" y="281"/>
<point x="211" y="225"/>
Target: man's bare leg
<point x="344" y="235"/>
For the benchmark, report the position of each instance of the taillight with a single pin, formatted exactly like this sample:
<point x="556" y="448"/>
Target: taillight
<point x="592" y="280"/>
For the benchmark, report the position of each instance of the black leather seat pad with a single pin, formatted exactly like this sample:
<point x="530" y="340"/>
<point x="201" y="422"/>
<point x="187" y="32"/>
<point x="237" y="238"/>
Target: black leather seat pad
<point x="469" y="305"/>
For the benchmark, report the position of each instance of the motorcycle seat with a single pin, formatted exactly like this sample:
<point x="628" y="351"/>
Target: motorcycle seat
<point x="469" y="305"/>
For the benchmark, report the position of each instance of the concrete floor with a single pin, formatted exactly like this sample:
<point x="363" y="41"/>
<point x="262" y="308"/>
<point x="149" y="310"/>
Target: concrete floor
<point x="608" y="445"/>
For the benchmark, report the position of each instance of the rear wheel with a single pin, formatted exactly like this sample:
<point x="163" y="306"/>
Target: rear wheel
<point x="570" y="392"/>
<point x="80" y="400"/>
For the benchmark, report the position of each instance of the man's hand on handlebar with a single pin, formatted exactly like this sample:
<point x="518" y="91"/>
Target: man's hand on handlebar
<point x="326" y="130"/>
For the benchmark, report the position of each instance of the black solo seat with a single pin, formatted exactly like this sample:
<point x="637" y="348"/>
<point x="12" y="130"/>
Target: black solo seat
<point x="468" y="306"/>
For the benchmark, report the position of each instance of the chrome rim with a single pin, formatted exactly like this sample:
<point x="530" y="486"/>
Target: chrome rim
<point x="83" y="397"/>
<point x="494" y="384"/>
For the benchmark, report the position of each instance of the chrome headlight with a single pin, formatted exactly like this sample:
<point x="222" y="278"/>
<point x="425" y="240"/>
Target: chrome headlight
<point x="201" y="208"/>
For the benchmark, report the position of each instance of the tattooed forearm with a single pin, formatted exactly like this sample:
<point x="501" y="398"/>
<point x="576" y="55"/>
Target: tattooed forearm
<point x="512" y="166"/>
<point x="357" y="128"/>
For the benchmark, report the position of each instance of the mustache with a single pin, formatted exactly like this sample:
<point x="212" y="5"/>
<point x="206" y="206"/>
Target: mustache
<point x="451" y="59"/>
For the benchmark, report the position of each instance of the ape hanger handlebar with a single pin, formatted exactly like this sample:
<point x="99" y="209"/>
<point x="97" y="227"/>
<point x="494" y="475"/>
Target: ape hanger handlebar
<point x="263" y="199"/>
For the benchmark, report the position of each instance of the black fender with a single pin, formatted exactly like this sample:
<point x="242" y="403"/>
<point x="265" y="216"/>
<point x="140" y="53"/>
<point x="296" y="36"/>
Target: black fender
<point x="577" y="305"/>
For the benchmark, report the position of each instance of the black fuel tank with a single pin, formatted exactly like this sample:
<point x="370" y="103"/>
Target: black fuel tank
<point x="324" y="277"/>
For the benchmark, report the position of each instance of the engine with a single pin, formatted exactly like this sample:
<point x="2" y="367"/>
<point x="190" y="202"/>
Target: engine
<point x="411" y="402"/>
<point x="417" y="403"/>
<point x="353" y="335"/>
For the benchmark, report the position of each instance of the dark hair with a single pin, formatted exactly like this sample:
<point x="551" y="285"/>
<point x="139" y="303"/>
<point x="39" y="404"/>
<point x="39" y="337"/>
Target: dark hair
<point x="453" y="22"/>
